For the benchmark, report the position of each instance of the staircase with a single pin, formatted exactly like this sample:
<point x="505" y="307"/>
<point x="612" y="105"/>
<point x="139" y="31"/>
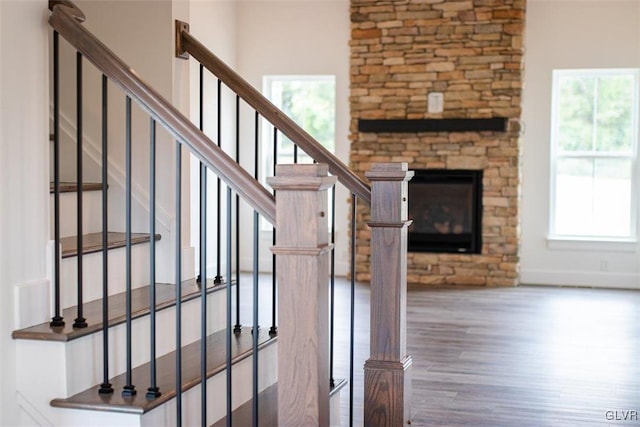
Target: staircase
<point x="124" y="348"/>
<point x="61" y="367"/>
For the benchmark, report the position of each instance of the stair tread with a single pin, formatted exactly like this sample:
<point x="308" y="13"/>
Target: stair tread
<point x="267" y="408"/>
<point x="92" y="242"/>
<point x="241" y="348"/>
<point x="72" y="187"/>
<point x="92" y="311"/>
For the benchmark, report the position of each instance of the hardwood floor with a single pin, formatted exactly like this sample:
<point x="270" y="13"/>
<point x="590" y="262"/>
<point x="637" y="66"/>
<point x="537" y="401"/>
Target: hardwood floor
<point x="526" y="356"/>
<point x="499" y="357"/>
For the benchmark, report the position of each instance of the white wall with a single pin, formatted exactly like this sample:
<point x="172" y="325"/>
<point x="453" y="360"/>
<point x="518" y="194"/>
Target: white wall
<point x="258" y="38"/>
<point x="298" y="37"/>
<point x="23" y="173"/>
<point x="213" y="23"/>
<point x="141" y="33"/>
<point x="569" y="34"/>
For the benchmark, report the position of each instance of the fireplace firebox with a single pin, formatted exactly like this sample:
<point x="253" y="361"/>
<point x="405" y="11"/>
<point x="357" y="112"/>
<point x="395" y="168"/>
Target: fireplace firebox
<point x="446" y="208"/>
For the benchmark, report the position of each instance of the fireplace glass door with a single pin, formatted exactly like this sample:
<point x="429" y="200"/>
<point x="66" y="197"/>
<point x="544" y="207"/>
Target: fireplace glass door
<point x="446" y="209"/>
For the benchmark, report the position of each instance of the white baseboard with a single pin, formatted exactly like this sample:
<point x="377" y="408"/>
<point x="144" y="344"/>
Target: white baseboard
<point x="580" y="278"/>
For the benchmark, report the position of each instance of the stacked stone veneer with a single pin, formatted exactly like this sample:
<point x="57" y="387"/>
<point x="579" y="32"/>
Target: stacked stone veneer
<point x="472" y="51"/>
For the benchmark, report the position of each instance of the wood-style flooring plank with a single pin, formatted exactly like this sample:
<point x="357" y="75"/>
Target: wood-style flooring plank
<point x="509" y="357"/>
<point x="525" y="356"/>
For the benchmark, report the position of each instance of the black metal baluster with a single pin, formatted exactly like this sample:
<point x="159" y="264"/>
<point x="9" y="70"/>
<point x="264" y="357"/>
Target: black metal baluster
<point x="80" y="321"/>
<point x="203" y="292"/>
<point x="57" y="320"/>
<point x="332" y="287"/>
<point x="129" y="389"/>
<point x="203" y="267"/>
<point x="273" y="331"/>
<point x="152" y="391"/>
<point x="238" y="326"/>
<point x="178" y="249"/>
<point x="105" y="387"/>
<point x="218" y="278"/>
<point x="354" y="201"/>
<point x="229" y="303"/>
<point x="295" y="153"/>
<point x="256" y="241"/>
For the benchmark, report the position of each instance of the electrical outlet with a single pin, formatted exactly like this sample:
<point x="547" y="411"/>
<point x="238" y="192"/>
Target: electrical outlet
<point x="604" y="265"/>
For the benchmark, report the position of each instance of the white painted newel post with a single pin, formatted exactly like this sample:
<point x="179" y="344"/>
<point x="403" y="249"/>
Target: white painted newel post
<point x="302" y="249"/>
<point x="387" y="379"/>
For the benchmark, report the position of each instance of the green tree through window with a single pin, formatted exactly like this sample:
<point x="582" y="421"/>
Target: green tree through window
<point x="310" y="102"/>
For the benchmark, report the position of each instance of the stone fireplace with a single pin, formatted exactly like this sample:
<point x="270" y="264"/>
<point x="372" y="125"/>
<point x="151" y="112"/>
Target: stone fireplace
<point x="470" y="54"/>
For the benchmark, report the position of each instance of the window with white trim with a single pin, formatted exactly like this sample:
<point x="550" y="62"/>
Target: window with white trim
<point x="310" y="100"/>
<point x="594" y="154"/>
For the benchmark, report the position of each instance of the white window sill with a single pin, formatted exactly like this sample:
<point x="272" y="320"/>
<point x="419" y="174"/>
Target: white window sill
<point x="573" y="243"/>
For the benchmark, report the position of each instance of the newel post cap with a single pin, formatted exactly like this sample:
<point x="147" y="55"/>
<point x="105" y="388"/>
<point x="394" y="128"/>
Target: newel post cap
<point x="389" y="172"/>
<point x="389" y="194"/>
<point x="301" y="177"/>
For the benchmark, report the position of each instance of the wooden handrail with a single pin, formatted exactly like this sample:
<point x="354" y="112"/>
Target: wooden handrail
<point x="273" y="114"/>
<point x="63" y="20"/>
<point x="75" y="11"/>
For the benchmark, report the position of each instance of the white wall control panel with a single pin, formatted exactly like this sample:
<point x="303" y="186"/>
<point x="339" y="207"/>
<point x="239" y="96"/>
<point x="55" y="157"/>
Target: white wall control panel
<point x="435" y="102"/>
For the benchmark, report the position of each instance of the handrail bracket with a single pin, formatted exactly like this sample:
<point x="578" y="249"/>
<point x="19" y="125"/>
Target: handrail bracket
<point x="181" y="52"/>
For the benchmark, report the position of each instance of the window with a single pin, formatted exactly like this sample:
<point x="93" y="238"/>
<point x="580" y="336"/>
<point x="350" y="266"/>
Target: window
<point x="594" y="153"/>
<point x="310" y="102"/>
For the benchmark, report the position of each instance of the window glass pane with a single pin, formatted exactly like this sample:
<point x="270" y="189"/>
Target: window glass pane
<point x="311" y="104"/>
<point x="614" y="110"/>
<point x="575" y="113"/>
<point x="595" y="152"/>
<point x="574" y="196"/>
<point x="612" y="197"/>
<point x="593" y="197"/>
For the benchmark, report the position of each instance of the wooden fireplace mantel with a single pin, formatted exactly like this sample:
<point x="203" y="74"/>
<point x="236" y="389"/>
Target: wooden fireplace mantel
<point x="494" y="124"/>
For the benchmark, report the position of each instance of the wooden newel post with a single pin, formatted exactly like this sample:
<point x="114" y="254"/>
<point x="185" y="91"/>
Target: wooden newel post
<point x="302" y="246"/>
<point x="387" y="379"/>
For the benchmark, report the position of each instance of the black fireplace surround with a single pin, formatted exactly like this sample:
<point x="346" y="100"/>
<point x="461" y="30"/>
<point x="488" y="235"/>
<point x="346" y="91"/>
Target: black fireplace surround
<point x="446" y="208"/>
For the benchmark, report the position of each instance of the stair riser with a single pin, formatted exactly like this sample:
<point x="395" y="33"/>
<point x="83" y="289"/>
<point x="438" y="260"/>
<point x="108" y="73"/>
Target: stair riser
<point x="91" y="213"/>
<point x="92" y="273"/>
<point x="49" y="369"/>
<point x="90" y="347"/>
